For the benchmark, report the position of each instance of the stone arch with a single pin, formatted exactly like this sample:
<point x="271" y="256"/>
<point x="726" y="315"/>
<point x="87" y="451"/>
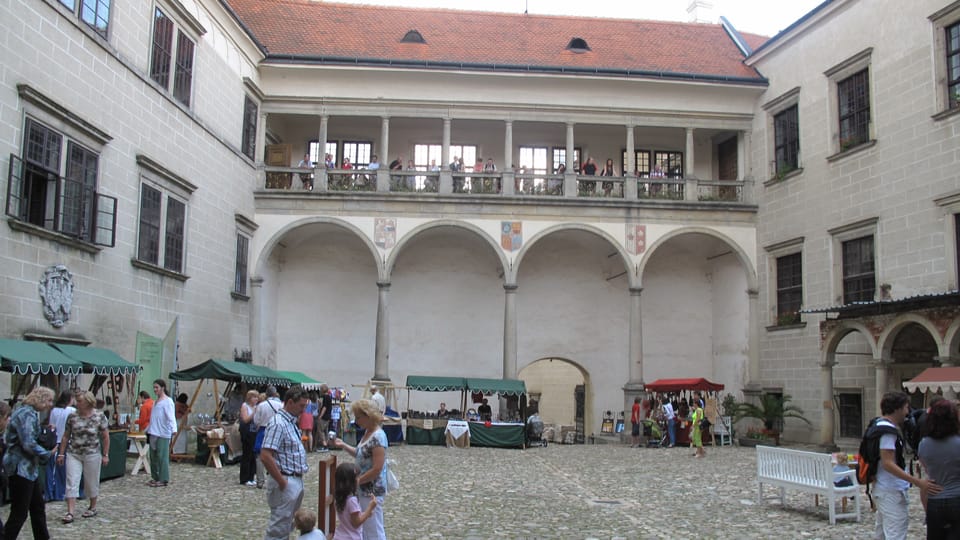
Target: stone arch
<point x="737" y="249"/>
<point x="951" y="342"/>
<point x="271" y="243"/>
<point x="836" y="335"/>
<point x="889" y="336"/>
<point x="588" y="413"/>
<point x="402" y="242"/>
<point x="624" y="256"/>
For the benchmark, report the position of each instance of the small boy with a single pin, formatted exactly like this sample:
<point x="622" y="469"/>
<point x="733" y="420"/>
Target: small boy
<point x="306" y="522"/>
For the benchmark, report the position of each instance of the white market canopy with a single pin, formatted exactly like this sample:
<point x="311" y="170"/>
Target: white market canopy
<point x="935" y="379"/>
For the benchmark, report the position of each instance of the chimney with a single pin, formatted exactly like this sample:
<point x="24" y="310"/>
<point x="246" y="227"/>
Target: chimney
<point x="700" y="11"/>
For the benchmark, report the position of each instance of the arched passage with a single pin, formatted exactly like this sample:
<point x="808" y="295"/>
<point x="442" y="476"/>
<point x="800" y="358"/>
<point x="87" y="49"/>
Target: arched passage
<point x="562" y="391"/>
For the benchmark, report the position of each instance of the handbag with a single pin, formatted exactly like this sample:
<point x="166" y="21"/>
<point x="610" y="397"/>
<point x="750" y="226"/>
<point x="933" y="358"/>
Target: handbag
<point x="47" y="437"/>
<point x="704" y="424"/>
<point x="393" y="483"/>
<point x="258" y="443"/>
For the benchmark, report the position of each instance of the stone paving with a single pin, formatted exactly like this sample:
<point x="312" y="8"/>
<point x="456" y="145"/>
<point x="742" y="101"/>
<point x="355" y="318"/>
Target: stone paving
<point x="575" y="492"/>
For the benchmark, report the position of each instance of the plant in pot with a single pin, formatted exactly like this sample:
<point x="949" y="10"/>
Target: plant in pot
<point x="771" y="410"/>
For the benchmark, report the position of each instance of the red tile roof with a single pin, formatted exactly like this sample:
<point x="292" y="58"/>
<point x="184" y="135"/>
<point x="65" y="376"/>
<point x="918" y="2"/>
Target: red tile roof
<point x="322" y="31"/>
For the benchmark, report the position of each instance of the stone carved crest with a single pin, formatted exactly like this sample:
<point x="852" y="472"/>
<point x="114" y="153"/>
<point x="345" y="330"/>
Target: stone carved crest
<point x="56" y="293"/>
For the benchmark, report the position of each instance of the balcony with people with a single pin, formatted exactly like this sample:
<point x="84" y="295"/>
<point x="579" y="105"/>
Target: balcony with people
<point x="509" y="159"/>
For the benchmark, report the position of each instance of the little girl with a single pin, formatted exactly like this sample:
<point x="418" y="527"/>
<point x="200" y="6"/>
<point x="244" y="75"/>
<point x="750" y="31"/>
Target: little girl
<point x="349" y="516"/>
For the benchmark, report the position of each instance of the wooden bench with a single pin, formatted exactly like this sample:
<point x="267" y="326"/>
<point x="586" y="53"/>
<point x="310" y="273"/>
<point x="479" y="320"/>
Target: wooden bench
<point x="810" y="472"/>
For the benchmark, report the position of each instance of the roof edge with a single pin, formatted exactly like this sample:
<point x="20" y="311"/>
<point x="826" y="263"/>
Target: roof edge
<point x="735" y="36"/>
<point x="511" y="68"/>
<point x="788" y="30"/>
<point x="236" y="18"/>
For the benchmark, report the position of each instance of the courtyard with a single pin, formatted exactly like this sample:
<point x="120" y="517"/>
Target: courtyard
<point x="575" y="492"/>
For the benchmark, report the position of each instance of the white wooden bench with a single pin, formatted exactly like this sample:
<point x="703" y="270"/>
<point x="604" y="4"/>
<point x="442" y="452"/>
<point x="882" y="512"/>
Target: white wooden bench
<point x="805" y="471"/>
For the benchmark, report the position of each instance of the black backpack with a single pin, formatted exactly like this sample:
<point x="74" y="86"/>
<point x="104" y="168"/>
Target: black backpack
<point x="870" y="453"/>
<point x="913" y="428"/>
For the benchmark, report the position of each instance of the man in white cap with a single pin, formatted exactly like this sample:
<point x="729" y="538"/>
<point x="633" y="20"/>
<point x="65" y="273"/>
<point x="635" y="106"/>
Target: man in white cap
<point x="377" y="398"/>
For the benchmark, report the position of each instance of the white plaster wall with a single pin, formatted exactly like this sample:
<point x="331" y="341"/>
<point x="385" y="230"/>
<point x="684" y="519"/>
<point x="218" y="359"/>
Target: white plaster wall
<point x="107" y="85"/>
<point x="730" y="314"/>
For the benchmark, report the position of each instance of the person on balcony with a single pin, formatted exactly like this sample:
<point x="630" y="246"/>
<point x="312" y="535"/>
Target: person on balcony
<point x="397" y="164"/>
<point x="306" y="178"/>
<point x="328" y="162"/>
<point x="374" y="163"/>
<point x="608" y="170"/>
<point x="589" y="168"/>
<point x="395" y="179"/>
<point x="490" y="166"/>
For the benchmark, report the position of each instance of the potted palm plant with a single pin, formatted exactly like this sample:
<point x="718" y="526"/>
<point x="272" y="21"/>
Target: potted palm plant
<point x="771" y="410"/>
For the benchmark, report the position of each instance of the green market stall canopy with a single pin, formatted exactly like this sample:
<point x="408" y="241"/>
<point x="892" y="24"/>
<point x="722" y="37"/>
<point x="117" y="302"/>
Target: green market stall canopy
<point x="231" y="371"/>
<point x="98" y="361"/>
<point x="35" y="357"/>
<point x="296" y="377"/>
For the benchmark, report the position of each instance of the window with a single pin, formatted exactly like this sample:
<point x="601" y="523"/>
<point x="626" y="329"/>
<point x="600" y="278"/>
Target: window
<point x="169" y="55"/>
<point x="859" y="281"/>
<point x="358" y="153"/>
<point x="240" y="274"/>
<point x="95" y="13"/>
<point x="425" y="155"/>
<point x="54" y="187"/>
<point x="560" y="158"/>
<point x="248" y="140"/>
<point x="953" y="65"/>
<point x="641" y="163"/>
<point x="789" y="289"/>
<point x="533" y="159"/>
<point x="161" y="235"/>
<point x="853" y="95"/>
<point x="671" y="163"/>
<point x="315" y="151"/>
<point x="161" y="229"/>
<point x="786" y="146"/>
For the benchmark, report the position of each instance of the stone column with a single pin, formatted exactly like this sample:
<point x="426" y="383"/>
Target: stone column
<point x="881" y="383"/>
<point x="381" y="368"/>
<point x="510" y="331"/>
<point x="261" y="149"/>
<point x="634" y="386"/>
<point x="570" y="177"/>
<point x="322" y="179"/>
<point x="630" y="173"/>
<point x="256" y="318"/>
<point x="507" y="183"/>
<point x="383" y="174"/>
<point x="446" y="178"/>
<point x="827" y="421"/>
<point x="753" y="337"/>
<point x="690" y="182"/>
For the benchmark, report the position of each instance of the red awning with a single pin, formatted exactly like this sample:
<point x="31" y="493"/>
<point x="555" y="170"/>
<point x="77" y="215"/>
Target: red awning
<point x="679" y="385"/>
<point x="934" y="379"/>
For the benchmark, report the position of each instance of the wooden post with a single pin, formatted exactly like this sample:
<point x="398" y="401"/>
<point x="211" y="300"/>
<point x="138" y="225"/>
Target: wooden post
<point x="326" y="509"/>
<point x="189" y="407"/>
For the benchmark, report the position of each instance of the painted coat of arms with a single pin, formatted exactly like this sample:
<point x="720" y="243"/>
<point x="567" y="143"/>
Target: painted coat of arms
<point x="385" y="232"/>
<point x="511" y="235"/>
<point x="56" y="294"/>
<point x="636" y="237"/>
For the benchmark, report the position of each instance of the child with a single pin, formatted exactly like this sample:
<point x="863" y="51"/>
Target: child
<point x="349" y="517"/>
<point x="305" y="521"/>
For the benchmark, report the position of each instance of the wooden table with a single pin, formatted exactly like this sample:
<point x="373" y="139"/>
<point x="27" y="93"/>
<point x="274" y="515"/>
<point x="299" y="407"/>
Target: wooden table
<point x="214" y="459"/>
<point x="143" y="453"/>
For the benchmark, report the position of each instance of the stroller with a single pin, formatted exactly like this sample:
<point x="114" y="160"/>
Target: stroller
<point x="534" y="431"/>
<point x="655" y="434"/>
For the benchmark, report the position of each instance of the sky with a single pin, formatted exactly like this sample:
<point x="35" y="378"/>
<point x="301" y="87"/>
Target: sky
<point x="765" y="17"/>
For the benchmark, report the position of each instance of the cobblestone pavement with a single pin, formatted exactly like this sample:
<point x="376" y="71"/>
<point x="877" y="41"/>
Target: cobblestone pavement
<point x="576" y="492"/>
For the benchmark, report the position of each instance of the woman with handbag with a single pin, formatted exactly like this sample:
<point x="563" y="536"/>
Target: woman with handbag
<point x="696" y="437"/>
<point x="85" y="448"/>
<point x="22" y="463"/>
<point x="57" y="473"/>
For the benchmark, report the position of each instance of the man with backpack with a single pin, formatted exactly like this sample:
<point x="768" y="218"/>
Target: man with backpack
<point x="885" y="467"/>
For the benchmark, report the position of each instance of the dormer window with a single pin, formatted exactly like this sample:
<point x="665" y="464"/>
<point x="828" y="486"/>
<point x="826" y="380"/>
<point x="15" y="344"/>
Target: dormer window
<point x="413" y="37"/>
<point x="578" y="45"/>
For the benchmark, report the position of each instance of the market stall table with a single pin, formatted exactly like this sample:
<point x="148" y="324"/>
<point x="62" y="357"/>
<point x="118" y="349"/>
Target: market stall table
<point x="428" y="431"/>
<point x="457" y="433"/>
<point x="497" y="434"/>
<point x="117" y="465"/>
<point x="143" y="453"/>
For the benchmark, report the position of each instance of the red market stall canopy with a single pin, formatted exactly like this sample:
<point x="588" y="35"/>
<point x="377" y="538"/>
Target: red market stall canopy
<point x="934" y="379"/>
<point x="680" y="385"/>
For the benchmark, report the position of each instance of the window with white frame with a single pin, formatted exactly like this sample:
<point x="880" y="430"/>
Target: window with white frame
<point x="358" y="152"/>
<point x="172" y="55"/>
<point x="785" y="289"/>
<point x="533" y="159"/>
<point x="53" y="184"/>
<point x="331" y="150"/>
<point x="95" y="13"/>
<point x="560" y="158"/>
<point x="162" y="226"/>
<point x="426" y="156"/>
<point x="248" y="138"/>
<point x="946" y="60"/>
<point x="851" y="102"/>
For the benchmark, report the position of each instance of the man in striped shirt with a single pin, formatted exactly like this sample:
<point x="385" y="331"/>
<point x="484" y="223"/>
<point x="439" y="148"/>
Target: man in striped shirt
<point x="285" y="461"/>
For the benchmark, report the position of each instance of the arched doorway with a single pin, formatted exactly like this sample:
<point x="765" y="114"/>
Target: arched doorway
<point x="913" y="350"/>
<point x="561" y="390"/>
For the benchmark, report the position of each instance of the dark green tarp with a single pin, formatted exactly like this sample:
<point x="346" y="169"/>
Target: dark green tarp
<point x="227" y="370"/>
<point x="302" y="379"/>
<point x="31" y="357"/>
<point x="429" y="383"/>
<point x="504" y="387"/>
<point x="497" y="435"/>
<point x="98" y="361"/>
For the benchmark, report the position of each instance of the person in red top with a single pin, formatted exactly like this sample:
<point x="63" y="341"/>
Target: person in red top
<point x="146" y="405"/>
<point x="635" y="423"/>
